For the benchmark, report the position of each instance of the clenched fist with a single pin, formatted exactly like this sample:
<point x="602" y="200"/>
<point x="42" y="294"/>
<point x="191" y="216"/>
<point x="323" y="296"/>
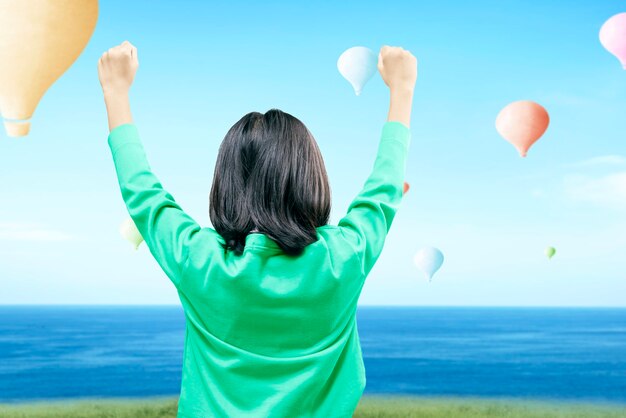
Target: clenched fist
<point x="398" y="68"/>
<point x="117" y="68"/>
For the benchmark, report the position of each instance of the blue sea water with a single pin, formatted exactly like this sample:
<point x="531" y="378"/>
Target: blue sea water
<point x="50" y="352"/>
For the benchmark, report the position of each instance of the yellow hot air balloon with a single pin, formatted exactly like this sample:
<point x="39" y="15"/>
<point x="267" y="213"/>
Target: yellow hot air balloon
<point x="39" y="41"/>
<point x="129" y="231"/>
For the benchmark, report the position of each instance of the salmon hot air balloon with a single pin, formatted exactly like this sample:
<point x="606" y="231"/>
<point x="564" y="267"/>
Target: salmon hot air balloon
<point x="613" y="37"/>
<point x="39" y="41"/>
<point x="405" y="187"/>
<point x="522" y="123"/>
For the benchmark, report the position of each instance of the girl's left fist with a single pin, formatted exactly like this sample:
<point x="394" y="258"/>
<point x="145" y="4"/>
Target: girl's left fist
<point x="117" y="68"/>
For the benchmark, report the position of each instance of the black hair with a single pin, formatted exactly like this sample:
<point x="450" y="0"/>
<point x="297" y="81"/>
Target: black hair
<point x="269" y="175"/>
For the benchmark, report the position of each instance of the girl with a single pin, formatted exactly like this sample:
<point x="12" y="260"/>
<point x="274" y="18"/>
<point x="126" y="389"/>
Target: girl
<point x="270" y="294"/>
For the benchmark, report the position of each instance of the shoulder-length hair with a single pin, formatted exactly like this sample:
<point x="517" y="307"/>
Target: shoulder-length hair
<point x="269" y="175"/>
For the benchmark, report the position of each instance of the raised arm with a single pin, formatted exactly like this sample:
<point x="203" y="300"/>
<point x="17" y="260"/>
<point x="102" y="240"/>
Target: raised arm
<point x="116" y="69"/>
<point x="371" y="213"/>
<point x="166" y="229"/>
<point x="398" y="68"/>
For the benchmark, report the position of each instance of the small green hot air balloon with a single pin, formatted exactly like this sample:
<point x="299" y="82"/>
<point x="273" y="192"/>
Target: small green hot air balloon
<point x="550" y="251"/>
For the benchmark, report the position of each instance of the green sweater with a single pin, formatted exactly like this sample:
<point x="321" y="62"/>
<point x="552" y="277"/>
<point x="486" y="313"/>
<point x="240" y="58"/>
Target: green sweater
<point x="267" y="335"/>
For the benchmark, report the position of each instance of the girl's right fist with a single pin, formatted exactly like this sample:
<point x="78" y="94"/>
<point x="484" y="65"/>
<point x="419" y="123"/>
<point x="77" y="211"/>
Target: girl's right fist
<point x="397" y="67"/>
<point x="117" y="68"/>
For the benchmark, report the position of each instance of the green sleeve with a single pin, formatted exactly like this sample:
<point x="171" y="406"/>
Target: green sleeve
<point x="166" y="229"/>
<point x="370" y="214"/>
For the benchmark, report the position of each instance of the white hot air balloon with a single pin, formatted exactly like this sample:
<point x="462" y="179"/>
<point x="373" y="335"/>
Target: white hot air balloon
<point x="357" y="65"/>
<point x="428" y="260"/>
<point x="129" y="231"/>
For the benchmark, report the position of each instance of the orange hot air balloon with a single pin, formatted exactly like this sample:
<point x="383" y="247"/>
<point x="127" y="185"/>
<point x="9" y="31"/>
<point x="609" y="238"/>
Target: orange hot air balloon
<point x="405" y="188"/>
<point x="522" y="124"/>
<point x="39" y="41"/>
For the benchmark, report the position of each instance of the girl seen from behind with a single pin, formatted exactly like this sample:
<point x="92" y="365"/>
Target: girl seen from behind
<point x="270" y="294"/>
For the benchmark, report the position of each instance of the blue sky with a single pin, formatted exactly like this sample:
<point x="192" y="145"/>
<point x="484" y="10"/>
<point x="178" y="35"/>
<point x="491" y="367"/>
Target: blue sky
<point x="204" y="65"/>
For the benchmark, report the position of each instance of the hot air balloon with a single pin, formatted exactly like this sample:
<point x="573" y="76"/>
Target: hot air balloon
<point x="428" y="260"/>
<point x="129" y="232"/>
<point x="522" y="123"/>
<point x="357" y="65"/>
<point x="39" y="41"/>
<point x="550" y="251"/>
<point x="405" y="187"/>
<point x="613" y="37"/>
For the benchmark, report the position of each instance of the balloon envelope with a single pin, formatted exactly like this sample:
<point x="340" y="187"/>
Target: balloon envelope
<point x="357" y="65"/>
<point x="613" y="37"/>
<point x="39" y="41"/>
<point x="550" y="251"/>
<point x="428" y="260"/>
<point x="522" y="123"/>
<point x="405" y="187"/>
<point x="129" y="231"/>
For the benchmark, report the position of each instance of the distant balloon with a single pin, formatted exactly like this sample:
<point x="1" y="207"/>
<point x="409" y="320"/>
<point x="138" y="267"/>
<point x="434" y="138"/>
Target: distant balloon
<point x="613" y="37"/>
<point x="358" y="65"/>
<point x="550" y="251"/>
<point x="129" y="231"/>
<point x="522" y="123"/>
<point x="428" y="260"/>
<point x="405" y="187"/>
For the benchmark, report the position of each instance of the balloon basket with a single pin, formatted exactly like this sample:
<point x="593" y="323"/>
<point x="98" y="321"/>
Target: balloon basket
<point x="16" y="128"/>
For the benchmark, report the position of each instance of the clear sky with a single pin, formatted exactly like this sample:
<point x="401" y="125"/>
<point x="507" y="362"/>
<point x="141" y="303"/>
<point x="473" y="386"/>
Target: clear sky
<point x="205" y="64"/>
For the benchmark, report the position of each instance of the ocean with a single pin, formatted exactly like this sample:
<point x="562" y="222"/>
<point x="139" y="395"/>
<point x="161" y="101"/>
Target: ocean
<point x="54" y="352"/>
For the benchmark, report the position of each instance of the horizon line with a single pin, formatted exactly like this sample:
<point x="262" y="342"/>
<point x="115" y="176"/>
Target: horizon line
<point x="148" y="305"/>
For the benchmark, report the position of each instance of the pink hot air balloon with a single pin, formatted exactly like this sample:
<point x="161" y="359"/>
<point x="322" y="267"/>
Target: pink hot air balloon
<point x="522" y="124"/>
<point x="613" y="37"/>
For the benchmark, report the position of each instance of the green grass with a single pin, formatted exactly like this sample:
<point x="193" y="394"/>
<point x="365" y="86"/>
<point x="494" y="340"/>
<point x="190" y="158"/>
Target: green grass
<point x="413" y="407"/>
<point x="369" y="407"/>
